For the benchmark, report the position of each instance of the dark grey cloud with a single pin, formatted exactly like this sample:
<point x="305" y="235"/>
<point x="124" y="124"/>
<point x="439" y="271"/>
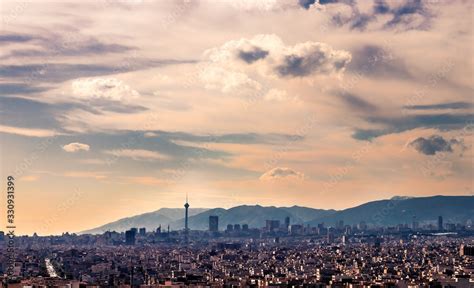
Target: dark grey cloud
<point x="442" y="122"/>
<point x="356" y="103"/>
<point x="433" y="144"/>
<point x="30" y="113"/>
<point x="306" y="3"/>
<point x="56" y="45"/>
<point x="294" y="66"/>
<point x="114" y="106"/>
<point x="58" y="72"/>
<point x="410" y="7"/>
<point x="315" y="60"/>
<point x="347" y="2"/>
<point x="377" y="61"/>
<point x="450" y="105"/>
<point x="359" y="21"/>
<point x="7" y="89"/>
<point x="253" y="55"/>
<point x="88" y="48"/>
<point x="15" y="38"/>
<point x="27" y="113"/>
<point x="381" y="7"/>
<point x="237" y="138"/>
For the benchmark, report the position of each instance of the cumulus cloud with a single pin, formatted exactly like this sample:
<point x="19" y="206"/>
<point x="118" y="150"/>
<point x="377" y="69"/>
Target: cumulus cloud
<point x="281" y="173"/>
<point x="253" y="55"/>
<point x="306" y="4"/>
<point x="433" y="144"/>
<point x="150" y="134"/>
<point x="216" y="77"/>
<point x="137" y="154"/>
<point x="279" y="95"/>
<point x="407" y="14"/>
<point x="250" y="5"/>
<point x="75" y="147"/>
<point x="103" y="89"/>
<point x="245" y="63"/>
<point x="309" y="58"/>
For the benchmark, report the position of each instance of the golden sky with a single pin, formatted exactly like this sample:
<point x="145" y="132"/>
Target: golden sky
<point x="114" y="108"/>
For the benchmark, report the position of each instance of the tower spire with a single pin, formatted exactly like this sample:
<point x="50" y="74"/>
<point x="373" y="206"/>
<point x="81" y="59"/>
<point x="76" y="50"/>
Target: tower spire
<point x="186" y="227"/>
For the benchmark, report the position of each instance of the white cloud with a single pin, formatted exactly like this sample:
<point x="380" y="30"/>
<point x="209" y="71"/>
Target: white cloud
<point x="216" y="77"/>
<point x="247" y="5"/>
<point x="246" y="63"/>
<point x="137" y="154"/>
<point x="75" y="146"/>
<point x="31" y="132"/>
<point x="281" y="173"/>
<point x="103" y="89"/>
<point x="278" y="95"/>
<point x="150" y="134"/>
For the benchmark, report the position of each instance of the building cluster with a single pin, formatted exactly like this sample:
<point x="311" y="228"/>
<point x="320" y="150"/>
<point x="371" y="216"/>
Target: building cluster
<point x="387" y="260"/>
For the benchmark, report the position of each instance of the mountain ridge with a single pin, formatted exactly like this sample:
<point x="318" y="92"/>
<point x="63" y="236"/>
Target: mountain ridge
<point x="386" y="212"/>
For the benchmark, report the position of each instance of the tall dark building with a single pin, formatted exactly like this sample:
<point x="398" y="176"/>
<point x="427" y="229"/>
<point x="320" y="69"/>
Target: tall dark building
<point x="142" y="231"/>
<point x="415" y="224"/>
<point x="440" y="223"/>
<point x="130" y="236"/>
<point x="213" y="223"/>
<point x="340" y="225"/>
<point x="272" y="225"/>
<point x="186" y="207"/>
<point x="287" y="222"/>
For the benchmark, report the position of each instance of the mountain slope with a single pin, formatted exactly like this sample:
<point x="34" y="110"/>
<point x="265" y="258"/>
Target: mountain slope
<point x="150" y="221"/>
<point x="399" y="210"/>
<point x="254" y="216"/>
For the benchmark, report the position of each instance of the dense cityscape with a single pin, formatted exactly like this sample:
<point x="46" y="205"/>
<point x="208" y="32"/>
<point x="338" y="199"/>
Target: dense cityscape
<point x="280" y="254"/>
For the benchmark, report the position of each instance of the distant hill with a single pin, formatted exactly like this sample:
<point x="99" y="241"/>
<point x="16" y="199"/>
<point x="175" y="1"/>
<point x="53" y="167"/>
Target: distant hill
<point x="400" y="210"/>
<point x="150" y="220"/>
<point x="254" y="216"/>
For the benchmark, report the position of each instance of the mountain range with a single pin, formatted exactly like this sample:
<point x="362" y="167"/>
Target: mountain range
<point x="397" y="210"/>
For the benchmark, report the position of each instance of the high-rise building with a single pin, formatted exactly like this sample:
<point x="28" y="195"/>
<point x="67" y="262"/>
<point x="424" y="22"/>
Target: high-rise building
<point x="272" y="225"/>
<point x="330" y="237"/>
<point x="236" y="227"/>
<point x="287" y="222"/>
<point x="130" y="236"/>
<point x="245" y="227"/>
<point x="230" y="227"/>
<point x="186" y="207"/>
<point x="340" y="225"/>
<point x="415" y="225"/>
<point x="213" y="223"/>
<point x="142" y="231"/>
<point x="440" y="223"/>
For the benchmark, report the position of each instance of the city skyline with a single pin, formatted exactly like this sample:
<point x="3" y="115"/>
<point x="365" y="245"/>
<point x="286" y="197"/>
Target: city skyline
<point x="112" y="109"/>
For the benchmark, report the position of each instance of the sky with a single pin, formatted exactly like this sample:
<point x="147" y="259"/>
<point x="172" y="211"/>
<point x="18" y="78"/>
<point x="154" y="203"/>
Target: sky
<point x="115" y="108"/>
